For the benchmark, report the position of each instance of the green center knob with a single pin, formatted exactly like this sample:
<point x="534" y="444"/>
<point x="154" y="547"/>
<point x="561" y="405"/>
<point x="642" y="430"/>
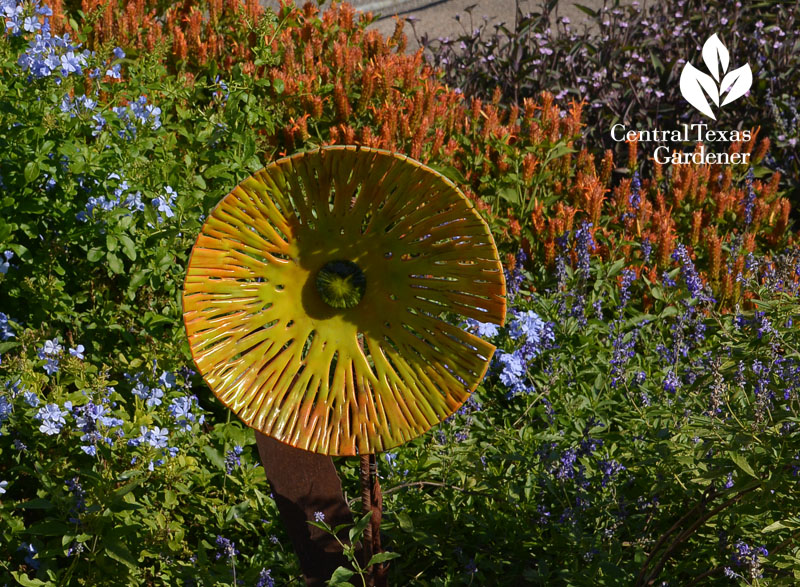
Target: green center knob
<point x="341" y="284"/>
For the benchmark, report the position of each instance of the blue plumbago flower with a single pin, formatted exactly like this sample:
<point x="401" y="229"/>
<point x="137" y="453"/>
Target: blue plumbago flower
<point x="391" y="459"/>
<point x="154" y="399"/>
<point x="153" y="464"/>
<point x="6" y="331"/>
<point x="114" y="72"/>
<point x="51" y="366"/>
<point x="181" y="407"/>
<point x="232" y="459"/>
<point x="6" y="407"/>
<point x="31" y="399"/>
<point x="319" y="517"/>
<point x="265" y="579"/>
<point x="167" y="380"/>
<point x="144" y="112"/>
<point x="119" y="53"/>
<point x="51" y="348"/>
<point x="47" y="55"/>
<point x="226" y="548"/>
<point x="77" y="352"/>
<point x="141" y="390"/>
<point x="514" y="367"/>
<point x="157" y="437"/>
<point x="4" y="262"/>
<point x="484" y="329"/>
<point x="3" y="485"/>
<point x="536" y="333"/>
<point x="79" y="104"/>
<point x="52" y="418"/>
<point x="133" y="202"/>
<point x="30" y="554"/>
<point x="99" y="124"/>
<point x="164" y="204"/>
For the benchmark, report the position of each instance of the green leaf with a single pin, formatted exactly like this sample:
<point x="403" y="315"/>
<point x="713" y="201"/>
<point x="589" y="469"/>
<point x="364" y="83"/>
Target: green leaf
<point x="382" y="557"/>
<point x="774" y="526"/>
<point x="49" y="528"/>
<point x="120" y="553"/>
<point x="111" y="242"/>
<point x="340" y="577"/>
<point x="742" y="463"/>
<point x="94" y="255"/>
<point x="115" y="264"/>
<point x="667" y="312"/>
<point x="357" y="530"/>
<point x="214" y="456"/>
<point x="510" y="195"/>
<point x="31" y="171"/>
<point x="35" y="504"/>
<point x="586" y="10"/>
<point x="23" y="579"/>
<point x="128" y="247"/>
<point x="405" y="522"/>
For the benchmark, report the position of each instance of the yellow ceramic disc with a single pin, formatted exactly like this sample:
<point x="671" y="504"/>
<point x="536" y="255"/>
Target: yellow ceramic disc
<point x="398" y="243"/>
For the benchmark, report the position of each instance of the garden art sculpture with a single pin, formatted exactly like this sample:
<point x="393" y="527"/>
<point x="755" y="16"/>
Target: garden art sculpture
<point x="324" y="302"/>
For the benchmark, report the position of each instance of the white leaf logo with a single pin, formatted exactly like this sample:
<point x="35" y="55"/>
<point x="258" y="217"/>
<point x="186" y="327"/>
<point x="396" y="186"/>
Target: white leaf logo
<point x="693" y="82"/>
<point x="715" y="54"/>
<point x="696" y="85"/>
<point x="736" y="83"/>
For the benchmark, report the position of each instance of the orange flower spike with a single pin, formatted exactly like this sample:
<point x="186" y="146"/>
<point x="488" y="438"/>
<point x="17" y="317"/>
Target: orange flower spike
<point x="606" y="167"/>
<point x="179" y="48"/>
<point x="697" y="223"/>
<point x="633" y="150"/>
<point x="665" y="246"/>
<point x="714" y="247"/>
<point x="772" y="187"/>
<point x="762" y="150"/>
<point x="341" y="102"/>
<point x="398" y="38"/>
<point x="529" y="165"/>
<point x="749" y="145"/>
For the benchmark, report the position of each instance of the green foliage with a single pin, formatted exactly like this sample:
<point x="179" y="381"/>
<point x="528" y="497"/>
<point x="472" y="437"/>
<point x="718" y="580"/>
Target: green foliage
<point x="628" y="430"/>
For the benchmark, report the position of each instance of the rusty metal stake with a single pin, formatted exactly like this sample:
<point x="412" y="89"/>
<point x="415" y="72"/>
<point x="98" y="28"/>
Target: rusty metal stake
<point x="304" y="483"/>
<point x="372" y="501"/>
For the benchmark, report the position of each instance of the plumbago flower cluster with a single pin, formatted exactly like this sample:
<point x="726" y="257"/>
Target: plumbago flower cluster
<point x="658" y="446"/>
<point x="139" y="476"/>
<point x="114" y="163"/>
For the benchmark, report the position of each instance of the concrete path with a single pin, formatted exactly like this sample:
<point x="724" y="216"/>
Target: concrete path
<point x="437" y="17"/>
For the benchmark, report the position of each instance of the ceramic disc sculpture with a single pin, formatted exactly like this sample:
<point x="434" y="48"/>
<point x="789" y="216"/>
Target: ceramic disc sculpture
<point x="321" y="294"/>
